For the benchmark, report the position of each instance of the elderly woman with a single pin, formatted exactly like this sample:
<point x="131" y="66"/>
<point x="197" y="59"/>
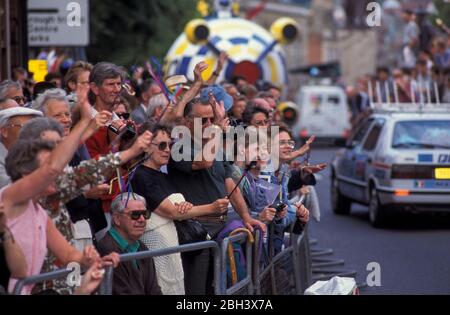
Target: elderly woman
<point x="73" y="183"/>
<point x="33" y="168"/>
<point x="166" y="205"/>
<point x="12" y="260"/>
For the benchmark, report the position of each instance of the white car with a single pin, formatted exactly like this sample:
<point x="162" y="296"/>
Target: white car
<point x="323" y="112"/>
<point x="396" y="159"/>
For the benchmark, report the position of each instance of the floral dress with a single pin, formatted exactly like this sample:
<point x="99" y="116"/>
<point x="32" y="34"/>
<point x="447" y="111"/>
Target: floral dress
<point x="73" y="183"/>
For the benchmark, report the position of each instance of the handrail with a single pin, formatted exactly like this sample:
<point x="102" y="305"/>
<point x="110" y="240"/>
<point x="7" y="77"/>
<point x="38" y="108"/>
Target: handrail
<point x="41" y="278"/>
<point x="106" y="286"/>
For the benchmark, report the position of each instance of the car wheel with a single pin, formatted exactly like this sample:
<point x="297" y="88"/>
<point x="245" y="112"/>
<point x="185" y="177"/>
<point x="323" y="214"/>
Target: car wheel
<point x="339" y="203"/>
<point x="377" y="213"/>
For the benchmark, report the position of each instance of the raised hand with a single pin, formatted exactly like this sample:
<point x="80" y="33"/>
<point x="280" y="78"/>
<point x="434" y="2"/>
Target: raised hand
<point x="314" y="169"/>
<point x="198" y="70"/>
<point x="307" y="147"/>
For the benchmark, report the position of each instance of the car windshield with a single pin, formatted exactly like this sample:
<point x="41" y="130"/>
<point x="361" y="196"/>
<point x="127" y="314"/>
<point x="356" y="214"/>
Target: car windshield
<point x="422" y="135"/>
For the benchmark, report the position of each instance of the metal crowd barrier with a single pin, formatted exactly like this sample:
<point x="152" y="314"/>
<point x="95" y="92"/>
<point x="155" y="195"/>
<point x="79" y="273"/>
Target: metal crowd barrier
<point x="289" y="272"/>
<point x="57" y="274"/>
<point x="245" y="286"/>
<point x="107" y="283"/>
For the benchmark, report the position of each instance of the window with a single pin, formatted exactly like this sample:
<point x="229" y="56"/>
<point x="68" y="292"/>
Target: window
<point x="361" y="131"/>
<point x="374" y="135"/>
<point x="422" y="134"/>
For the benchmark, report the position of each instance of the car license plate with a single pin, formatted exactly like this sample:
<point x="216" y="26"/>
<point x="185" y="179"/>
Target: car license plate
<point x="442" y="173"/>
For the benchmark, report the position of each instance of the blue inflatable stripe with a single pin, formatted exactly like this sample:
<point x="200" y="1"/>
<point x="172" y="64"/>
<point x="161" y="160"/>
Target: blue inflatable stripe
<point x="183" y="68"/>
<point x="259" y="39"/>
<point x="238" y="40"/>
<point x="283" y="61"/>
<point x="203" y="51"/>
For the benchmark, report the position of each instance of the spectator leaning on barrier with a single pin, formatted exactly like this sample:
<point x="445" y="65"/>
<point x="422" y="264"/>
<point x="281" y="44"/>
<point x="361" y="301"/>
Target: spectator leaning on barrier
<point x="73" y="183"/>
<point x="166" y="205"/>
<point x="137" y="277"/>
<point x="33" y="167"/>
<point x="203" y="180"/>
<point x="283" y="143"/>
<point x="11" y="121"/>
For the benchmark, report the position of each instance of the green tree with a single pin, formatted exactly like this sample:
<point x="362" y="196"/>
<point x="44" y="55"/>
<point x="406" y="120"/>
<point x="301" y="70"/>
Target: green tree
<point x="128" y="32"/>
<point x="443" y="9"/>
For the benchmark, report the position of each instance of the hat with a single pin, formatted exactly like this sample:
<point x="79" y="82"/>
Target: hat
<point x="175" y="80"/>
<point x="219" y="93"/>
<point x="6" y="114"/>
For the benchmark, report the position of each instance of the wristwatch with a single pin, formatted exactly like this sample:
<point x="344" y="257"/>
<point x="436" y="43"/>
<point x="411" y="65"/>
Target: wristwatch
<point x="215" y="73"/>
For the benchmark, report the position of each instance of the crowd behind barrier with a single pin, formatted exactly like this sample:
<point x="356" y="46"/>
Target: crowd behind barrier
<point x="288" y="273"/>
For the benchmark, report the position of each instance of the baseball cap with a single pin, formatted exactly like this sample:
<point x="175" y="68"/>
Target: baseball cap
<point x="6" y="114"/>
<point x="219" y="93"/>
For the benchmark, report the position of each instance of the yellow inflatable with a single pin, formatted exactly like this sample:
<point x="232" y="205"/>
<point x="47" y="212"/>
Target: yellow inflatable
<point x="254" y="53"/>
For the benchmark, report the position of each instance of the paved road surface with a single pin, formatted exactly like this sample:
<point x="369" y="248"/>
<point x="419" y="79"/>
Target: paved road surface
<point x="414" y="254"/>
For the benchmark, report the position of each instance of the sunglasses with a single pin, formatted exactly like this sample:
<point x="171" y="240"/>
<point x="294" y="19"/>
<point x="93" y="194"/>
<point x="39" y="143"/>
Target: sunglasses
<point x="20" y="100"/>
<point x="163" y="145"/>
<point x="136" y="214"/>
<point x="124" y="116"/>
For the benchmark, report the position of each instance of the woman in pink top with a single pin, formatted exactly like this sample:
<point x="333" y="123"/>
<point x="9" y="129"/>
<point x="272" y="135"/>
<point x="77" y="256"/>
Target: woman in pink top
<point x="33" y="168"/>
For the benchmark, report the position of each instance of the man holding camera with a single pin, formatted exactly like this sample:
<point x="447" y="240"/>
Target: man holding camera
<point x="105" y="87"/>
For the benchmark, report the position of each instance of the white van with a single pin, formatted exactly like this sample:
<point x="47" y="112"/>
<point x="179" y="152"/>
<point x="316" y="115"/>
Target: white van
<point x="323" y="112"/>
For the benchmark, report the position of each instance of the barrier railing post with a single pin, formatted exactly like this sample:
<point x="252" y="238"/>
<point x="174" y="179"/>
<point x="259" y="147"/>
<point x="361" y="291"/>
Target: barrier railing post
<point x="249" y="260"/>
<point x="217" y="270"/>
<point x="223" y="274"/>
<point x="107" y="283"/>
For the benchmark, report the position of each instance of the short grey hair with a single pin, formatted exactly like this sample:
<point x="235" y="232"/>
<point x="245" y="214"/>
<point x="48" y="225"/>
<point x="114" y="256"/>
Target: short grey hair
<point x="103" y="71"/>
<point x="49" y="95"/>
<point x="119" y="203"/>
<point x="6" y="86"/>
<point x="34" y="128"/>
<point x="159" y="100"/>
<point x="22" y="158"/>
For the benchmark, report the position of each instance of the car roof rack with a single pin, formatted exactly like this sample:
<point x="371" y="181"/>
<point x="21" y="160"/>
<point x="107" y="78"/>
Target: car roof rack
<point x="421" y="94"/>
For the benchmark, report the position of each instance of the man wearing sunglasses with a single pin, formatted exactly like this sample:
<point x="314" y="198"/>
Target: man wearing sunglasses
<point x="203" y="180"/>
<point x="129" y="219"/>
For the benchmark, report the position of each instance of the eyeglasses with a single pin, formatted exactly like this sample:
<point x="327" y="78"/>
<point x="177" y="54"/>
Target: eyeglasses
<point x="21" y="100"/>
<point x="124" y="116"/>
<point x="289" y="143"/>
<point x="163" y="145"/>
<point x="136" y="214"/>
<point x="261" y="123"/>
<point x="16" y="125"/>
<point x="206" y="120"/>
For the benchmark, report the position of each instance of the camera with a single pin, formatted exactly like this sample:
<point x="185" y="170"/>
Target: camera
<point x="128" y="134"/>
<point x="279" y="206"/>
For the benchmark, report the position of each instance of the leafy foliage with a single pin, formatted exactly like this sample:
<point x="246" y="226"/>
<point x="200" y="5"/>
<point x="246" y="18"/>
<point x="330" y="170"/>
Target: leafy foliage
<point x="128" y="32"/>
